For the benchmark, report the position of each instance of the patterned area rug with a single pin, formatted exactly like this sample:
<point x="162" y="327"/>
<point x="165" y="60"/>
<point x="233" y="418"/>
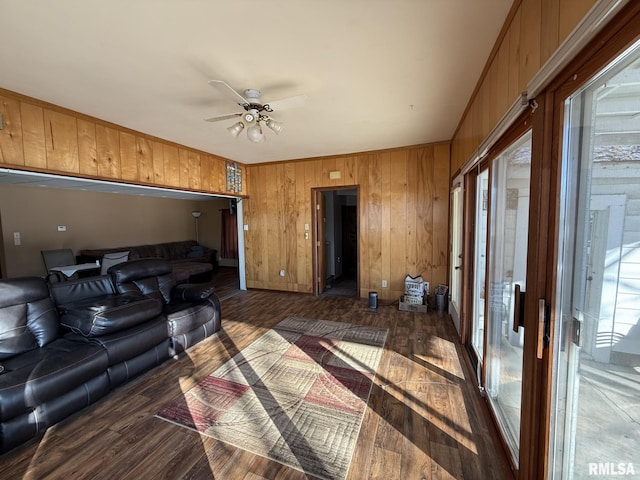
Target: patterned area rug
<point x="297" y="395"/>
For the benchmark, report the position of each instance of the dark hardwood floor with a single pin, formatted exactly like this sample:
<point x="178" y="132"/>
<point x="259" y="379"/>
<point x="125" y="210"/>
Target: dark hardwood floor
<point x="424" y="420"/>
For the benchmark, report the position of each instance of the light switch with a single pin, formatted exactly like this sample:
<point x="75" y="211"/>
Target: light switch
<point x="245" y="227"/>
<point x="62" y="228"/>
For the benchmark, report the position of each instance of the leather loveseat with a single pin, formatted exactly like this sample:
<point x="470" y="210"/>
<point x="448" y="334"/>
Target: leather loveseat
<point x="66" y="345"/>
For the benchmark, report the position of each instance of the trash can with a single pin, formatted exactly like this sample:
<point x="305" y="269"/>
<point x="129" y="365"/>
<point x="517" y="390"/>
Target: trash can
<point x="441" y="298"/>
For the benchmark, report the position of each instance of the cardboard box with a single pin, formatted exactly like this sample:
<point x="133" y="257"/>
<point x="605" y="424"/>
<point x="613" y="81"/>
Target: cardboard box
<point x="411" y="307"/>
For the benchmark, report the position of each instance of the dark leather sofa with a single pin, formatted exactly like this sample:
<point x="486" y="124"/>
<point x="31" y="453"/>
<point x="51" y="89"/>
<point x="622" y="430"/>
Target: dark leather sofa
<point x="188" y="259"/>
<point x="66" y="345"/>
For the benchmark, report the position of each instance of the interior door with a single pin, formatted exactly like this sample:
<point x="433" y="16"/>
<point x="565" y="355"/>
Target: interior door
<point x="596" y="364"/>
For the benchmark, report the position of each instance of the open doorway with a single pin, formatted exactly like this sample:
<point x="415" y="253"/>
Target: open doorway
<point x="336" y="241"/>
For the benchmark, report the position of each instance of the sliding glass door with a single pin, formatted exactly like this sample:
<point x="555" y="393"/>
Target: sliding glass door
<point x="507" y="270"/>
<point x="596" y="366"/>
<point x="499" y="206"/>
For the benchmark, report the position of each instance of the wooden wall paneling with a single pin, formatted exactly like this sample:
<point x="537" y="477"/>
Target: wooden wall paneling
<point x="328" y="165"/>
<point x="249" y="217"/>
<point x="250" y="212"/>
<point x="108" y="152"/>
<point x="514" y="56"/>
<point x="476" y="123"/>
<point x="491" y="98"/>
<point x="529" y="42"/>
<point x="171" y="165"/>
<point x="398" y="225"/>
<point x="290" y="224"/>
<point x="411" y="242"/>
<point x="374" y="222"/>
<point x="207" y="174"/>
<point x="350" y="170"/>
<point x="35" y="152"/>
<point x="11" y="144"/>
<point x="194" y="170"/>
<point x="144" y="157"/>
<point x="61" y="141"/>
<point x="128" y="157"/>
<point x="158" y="163"/>
<point x="309" y="179"/>
<point x="503" y="101"/>
<point x="440" y="256"/>
<point x="263" y="202"/>
<point x="386" y="195"/>
<point x="340" y="166"/>
<point x="549" y="35"/>
<point x="87" y="148"/>
<point x="569" y="15"/>
<point x="183" y="172"/>
<point x="364" y="228"/>
<point x="219" y="175"/>
<point x="275" y="229"/>
<point x="424" y="212"/>
<point x="303" y="246"/>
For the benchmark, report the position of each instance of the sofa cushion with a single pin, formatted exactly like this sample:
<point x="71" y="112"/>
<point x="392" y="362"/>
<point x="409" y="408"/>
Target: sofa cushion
<point x="28" y="318"/>
<point x="43" y="374"/>
<point x="107" y="314"/>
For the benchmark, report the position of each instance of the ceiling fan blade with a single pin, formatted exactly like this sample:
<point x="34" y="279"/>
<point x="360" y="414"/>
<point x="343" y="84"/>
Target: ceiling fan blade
<point x="290" y="102"/>
<point x="222" y="117"/>
<point x="227" y="91"/>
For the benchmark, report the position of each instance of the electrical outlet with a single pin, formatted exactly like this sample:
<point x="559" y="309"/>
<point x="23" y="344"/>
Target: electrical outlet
<point x="16" y="238"/>
<point x="384" y="284"/>
<point x="282" y="273"/>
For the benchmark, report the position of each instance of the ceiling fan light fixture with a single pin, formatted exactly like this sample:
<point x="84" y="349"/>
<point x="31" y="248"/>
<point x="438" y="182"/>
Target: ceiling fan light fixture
<point x="235" y="129"/>
<point x="254" y="133"/>
<point x="275" y="126"/>
<point x="250" y="117"/>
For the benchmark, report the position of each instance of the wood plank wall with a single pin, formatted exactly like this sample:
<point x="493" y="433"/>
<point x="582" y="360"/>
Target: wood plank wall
<point x="403" y="207"/>
<point x="533" y="31"/>
<point x="41" y="137"/>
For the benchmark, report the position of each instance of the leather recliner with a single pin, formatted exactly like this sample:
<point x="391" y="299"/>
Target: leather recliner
<point x="192" y="310"/>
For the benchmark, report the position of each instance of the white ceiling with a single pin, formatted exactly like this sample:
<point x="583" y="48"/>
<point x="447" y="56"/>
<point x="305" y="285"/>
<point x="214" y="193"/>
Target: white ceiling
<point x="376" y="73"/>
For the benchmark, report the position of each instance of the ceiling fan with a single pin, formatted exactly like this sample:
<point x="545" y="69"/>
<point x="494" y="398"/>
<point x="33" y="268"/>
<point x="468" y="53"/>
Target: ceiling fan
<point x="255" y="112"/>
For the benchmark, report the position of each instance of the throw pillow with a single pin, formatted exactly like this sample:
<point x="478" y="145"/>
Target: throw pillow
<point x="110" y="259"/>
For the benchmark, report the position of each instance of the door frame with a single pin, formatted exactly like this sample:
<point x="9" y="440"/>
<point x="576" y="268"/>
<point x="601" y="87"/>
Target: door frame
<point x="316" y="248"/>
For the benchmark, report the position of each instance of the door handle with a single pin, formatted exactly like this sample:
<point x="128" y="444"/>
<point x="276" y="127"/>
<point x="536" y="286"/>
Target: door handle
<point x="518" y="308"/>
<point x="544" y="330"/>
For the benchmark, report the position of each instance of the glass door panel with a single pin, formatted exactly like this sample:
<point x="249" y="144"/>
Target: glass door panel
<point x="480" y="264"/>
<point x="507" y="273"/>
<point x="596" y="365"/>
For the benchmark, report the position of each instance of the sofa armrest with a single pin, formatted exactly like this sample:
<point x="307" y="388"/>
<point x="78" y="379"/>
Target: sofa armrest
<point x="192" y="292"/>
